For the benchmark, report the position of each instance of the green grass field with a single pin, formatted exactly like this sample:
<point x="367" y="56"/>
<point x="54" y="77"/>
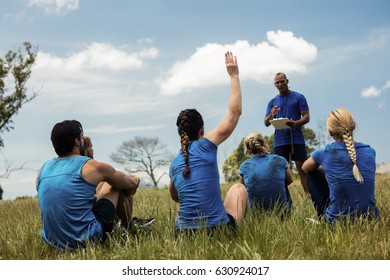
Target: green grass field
<point x="262" y="236"/>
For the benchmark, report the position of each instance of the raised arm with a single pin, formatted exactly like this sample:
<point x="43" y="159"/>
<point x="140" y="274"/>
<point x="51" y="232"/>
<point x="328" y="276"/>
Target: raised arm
<point x="229" y="122"/>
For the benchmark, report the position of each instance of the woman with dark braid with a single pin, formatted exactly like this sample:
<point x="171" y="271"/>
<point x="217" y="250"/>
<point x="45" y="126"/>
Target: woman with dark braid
<point x="348" y="188"/>
<point x="194" y="171"/>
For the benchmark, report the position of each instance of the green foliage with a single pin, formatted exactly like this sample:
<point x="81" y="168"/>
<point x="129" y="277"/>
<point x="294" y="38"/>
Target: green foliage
<point x="311" y="140"/>
<point x="19" y="64"/>
<point x="261" y="235"/>
<point x="231" y="166"/>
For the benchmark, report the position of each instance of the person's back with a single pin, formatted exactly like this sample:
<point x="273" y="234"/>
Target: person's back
<point x="194" y="176"/>
<point x="199" y="193"/>
<point x="265" y="179"/>
<point x="66" y="187"/>
<point x="348" y="197"/>
<point x="348" y="191"/>
<point x="66" y="201"/>
<point x="265" y="176"/>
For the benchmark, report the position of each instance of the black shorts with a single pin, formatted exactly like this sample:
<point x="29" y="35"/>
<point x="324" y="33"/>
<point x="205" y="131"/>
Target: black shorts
<point x="104" y="211"/>
<point x="231" y="225"/>
<point x="296" y="153"/>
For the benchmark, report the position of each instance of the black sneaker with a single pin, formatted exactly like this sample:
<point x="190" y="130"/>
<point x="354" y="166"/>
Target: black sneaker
<point x="143" y="225"/>
<point x="143" y="222"/>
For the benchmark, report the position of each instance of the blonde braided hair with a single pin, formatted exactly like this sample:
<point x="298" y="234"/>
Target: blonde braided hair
<point x="341" y="125"/>
<point x="255" y="144"/>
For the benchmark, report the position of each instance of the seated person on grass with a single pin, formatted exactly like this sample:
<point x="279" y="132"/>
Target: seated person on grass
<point x="66" y="187"/>
<point x="265" y="176"/>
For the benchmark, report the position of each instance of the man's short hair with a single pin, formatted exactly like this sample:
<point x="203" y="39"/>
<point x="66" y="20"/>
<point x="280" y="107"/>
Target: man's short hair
<point x="64" y="134"/>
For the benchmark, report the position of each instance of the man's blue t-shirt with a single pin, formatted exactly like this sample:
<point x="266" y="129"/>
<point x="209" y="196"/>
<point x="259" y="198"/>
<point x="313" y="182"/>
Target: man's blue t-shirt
<point x="66" y="202"/>
<point x="291" y="106"/>
<point x="265" y="178"/>
<point x="347" y="196"/>
<point x="199" y="192"/>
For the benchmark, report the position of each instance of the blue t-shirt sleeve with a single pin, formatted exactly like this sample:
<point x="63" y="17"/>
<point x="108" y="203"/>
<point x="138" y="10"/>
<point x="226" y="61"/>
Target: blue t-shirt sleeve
<point x="269" y="107"/>
<point x="284" y="162"/>
<point x="317" y="156"/>
<point x="303" y="106"/>
<point x="242" y="167"/>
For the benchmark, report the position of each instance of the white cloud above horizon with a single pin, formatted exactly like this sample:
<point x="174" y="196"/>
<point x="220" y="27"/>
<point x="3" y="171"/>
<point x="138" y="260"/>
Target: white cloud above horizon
<point x="282" y="48"/>
<point x="55" y="6"/>
<point x="96" y="56"/>
<point x="372" y="91"/>
<point x="112" y="129"/>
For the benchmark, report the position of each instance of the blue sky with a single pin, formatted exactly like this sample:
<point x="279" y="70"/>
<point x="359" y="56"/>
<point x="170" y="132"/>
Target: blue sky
<point x="126" y="68"/>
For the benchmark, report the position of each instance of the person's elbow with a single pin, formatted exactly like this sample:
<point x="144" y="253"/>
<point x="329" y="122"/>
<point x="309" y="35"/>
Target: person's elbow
<point x="237" y="112"/>
<point x="306" y="118"/>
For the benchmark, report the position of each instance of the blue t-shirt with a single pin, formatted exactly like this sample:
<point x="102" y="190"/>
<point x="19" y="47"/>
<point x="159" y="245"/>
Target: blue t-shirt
<point x="199" y="192"/>
<point x="291" y="106"/>
<point x="347" y="196"/>
<point x="66" y="202"/>
<point x="265" y="178"/>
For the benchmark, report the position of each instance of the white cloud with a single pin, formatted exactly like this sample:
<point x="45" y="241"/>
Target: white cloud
<point x="111" y="129"/>
<point x="55" y="6"/>
<point x="96" y="56"/>
<point x="281" y="52"/>
<point x="371" y="92"/>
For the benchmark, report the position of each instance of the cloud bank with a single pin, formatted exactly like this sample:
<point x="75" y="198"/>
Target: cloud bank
<point x="96" y="56"/>
<point x="282" y="51"/>
<point x="55" y="6"/>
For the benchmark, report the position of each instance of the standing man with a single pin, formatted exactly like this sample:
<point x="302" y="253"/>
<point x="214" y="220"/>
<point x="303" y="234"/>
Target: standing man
<point x="66" y="187"/>
<point x="289" y="143"/>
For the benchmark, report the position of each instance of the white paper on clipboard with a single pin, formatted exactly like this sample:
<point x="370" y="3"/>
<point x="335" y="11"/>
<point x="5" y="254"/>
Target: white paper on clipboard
<point x="280" y="123"/>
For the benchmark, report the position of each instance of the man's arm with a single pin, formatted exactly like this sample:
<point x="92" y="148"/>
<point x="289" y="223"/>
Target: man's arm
<point x="271" y="115"/>
<point x="305" y="118"/>
<point x="96" y="172"/>
<point x="227" y="125"/>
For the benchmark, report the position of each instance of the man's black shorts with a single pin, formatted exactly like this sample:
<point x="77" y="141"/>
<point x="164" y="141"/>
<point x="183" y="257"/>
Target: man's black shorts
<point x="104" y="212"/>
<point x="297" y="152"/>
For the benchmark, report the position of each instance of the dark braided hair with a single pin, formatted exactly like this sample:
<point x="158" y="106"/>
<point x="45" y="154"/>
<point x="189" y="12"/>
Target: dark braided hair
<point x="189" y="122"/>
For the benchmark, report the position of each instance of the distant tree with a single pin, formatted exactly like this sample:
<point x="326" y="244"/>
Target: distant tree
<point x="231" y="166"/>
<point x="322" y="133"/>
<point x="143" y="154"/>
<point x="18" y="64"/>
<point x="311" y="140"/>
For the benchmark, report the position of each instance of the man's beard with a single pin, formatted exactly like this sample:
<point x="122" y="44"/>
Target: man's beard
<point x="82" y="150"/>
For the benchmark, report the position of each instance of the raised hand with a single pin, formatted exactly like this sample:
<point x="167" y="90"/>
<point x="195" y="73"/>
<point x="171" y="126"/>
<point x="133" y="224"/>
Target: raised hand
<point x="231" y="64"/>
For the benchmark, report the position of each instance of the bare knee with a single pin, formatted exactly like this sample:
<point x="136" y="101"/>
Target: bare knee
<point x="236" y="202"/>
<point x="106" y="191"/>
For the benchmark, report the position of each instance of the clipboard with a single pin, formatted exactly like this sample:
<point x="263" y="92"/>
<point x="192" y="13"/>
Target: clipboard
<point x="280" y="123"/>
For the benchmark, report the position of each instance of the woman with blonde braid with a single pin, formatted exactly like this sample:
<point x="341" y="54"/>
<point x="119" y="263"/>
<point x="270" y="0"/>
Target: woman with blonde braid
<point x="194" y="171"/>
<point x="348" y="187"/>
<point x="266" y="176"/>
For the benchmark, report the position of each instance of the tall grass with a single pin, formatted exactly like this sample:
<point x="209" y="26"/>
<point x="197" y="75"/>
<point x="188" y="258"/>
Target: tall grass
<point x="262" y="236"/>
